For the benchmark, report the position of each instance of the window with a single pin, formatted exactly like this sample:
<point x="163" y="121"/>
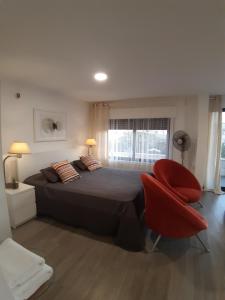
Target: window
<point x="222" y="159"/>
<point x="139" y="140"/>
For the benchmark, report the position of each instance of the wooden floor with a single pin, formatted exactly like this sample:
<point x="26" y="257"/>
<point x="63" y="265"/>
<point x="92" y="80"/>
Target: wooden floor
<point x="88" y="267"/>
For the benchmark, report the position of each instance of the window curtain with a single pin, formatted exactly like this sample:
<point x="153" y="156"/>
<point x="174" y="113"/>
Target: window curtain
<point x="138" y="143"/>
<point x="213" y="179"/>
<point x="100" y="126"/>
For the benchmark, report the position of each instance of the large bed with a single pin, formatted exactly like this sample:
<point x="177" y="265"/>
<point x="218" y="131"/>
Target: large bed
<point x="106" y="201"/>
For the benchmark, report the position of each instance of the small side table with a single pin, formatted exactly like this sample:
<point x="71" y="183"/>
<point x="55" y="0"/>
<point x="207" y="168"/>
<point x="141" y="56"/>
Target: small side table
<point x="21" y="204"/>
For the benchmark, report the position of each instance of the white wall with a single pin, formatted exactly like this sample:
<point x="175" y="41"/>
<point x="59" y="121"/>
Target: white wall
<point x="223" y="101"/>
<point x="5" y="230"/>
<point x="17" y="124"/>
<point x="4" y="215"/>
<point x="183" y="110"/>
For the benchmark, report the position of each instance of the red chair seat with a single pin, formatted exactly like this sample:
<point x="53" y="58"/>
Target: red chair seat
<point x="166" y="214"/>
<point x="178" y="179"/>
<point x="188" y="194"/>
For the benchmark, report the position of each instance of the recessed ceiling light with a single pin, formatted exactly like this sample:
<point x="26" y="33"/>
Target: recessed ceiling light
<point x="100" y="76"/>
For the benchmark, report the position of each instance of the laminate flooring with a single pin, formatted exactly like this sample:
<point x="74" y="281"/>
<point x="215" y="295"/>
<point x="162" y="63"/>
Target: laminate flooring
<point x="90" y="267"/>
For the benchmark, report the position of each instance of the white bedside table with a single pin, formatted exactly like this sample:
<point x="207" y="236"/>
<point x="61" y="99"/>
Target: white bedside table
<point x="21" y="204"/>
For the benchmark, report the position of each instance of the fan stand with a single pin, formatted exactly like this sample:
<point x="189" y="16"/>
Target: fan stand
<point x="182" y="157"/>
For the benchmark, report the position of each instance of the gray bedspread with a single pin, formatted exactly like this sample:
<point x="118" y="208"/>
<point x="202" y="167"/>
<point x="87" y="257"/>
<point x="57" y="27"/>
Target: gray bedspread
<point x="106" y="201"/>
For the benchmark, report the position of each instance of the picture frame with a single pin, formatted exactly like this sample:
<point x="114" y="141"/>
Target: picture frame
<point x="49" y="126"/>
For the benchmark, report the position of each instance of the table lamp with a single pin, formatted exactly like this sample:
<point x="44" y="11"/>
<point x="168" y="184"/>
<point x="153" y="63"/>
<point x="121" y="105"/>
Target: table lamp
<point x="90" y="143"/>
<point x="17" y="149"/>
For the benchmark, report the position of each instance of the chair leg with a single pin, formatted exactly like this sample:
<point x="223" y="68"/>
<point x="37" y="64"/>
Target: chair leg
<point x="202" y="243"/>
<point x="156" y="242"/>
<point x="142" y="215"/>
<point x="200" y="203"/>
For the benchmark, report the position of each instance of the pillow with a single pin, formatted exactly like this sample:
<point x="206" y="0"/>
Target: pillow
<point x="50" y="174"/>
<point x="65" y="171"/>
<point x="79" y="165"/>
<point x="91" y="163"/>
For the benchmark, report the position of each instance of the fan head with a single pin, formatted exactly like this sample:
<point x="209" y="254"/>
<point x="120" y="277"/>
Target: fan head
<point x="181" y="140"/>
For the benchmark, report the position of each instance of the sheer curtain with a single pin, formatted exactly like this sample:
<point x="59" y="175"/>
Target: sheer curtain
<point x="138" y="143"/>
<point x="100" y="126"/>
<point x="214" y="147"/>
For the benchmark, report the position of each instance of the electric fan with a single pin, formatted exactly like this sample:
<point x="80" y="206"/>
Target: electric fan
<point x="182" y="142"/>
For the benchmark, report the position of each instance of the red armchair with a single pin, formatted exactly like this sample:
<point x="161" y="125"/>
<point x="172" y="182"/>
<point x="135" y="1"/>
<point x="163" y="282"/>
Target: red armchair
<point x="166" y="215"/>
<point x="178" y="179"/>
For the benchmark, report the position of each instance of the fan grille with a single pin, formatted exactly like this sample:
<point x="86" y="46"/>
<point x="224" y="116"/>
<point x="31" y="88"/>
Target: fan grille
<point x="181" y="140"/>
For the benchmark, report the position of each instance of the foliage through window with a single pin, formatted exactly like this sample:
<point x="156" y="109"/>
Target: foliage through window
<point x="139" y="140"/>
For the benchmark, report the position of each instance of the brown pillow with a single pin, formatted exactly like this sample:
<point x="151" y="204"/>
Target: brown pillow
<point x="50" y="174"/>
<point x="90" y="162"/>
<point x="65" y="171"/>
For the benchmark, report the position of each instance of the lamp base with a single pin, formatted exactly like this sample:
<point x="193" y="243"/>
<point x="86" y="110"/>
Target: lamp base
<point x="12" y="185"/>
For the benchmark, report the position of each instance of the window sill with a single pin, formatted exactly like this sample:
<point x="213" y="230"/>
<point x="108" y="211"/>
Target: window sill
<point x="130" y="165"/>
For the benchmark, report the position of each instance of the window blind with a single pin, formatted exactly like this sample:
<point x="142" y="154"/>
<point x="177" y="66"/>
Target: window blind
<point x="140" y="124"/>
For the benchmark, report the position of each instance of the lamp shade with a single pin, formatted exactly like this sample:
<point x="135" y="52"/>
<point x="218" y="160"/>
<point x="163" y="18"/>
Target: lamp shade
<point x="90" y="142"/>
<point x="19" y="148"/>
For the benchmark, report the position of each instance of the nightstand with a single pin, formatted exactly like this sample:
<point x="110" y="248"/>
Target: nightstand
<point x="21" y="204"/>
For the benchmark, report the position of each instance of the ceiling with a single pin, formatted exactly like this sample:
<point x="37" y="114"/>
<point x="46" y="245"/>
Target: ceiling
<point x="147" y="48"/>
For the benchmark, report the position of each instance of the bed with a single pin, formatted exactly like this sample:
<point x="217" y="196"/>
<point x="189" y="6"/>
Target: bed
<point x="106" y="201"/>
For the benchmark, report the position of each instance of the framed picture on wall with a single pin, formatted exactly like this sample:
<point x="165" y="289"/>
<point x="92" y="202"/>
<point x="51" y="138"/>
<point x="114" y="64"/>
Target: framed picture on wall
<point x="49" y="126"/>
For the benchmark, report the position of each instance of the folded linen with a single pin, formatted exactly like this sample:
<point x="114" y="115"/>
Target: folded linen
<point x="5" y="291"/>
<point x="33" y="284"/>
<point x="17" y="263"/>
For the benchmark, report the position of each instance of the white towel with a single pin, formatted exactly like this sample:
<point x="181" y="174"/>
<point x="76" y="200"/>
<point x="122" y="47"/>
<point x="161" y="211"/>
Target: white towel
<point x="17" y="263"/>
<point x="5" y="291"/>
<point x="32" y="285"/>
